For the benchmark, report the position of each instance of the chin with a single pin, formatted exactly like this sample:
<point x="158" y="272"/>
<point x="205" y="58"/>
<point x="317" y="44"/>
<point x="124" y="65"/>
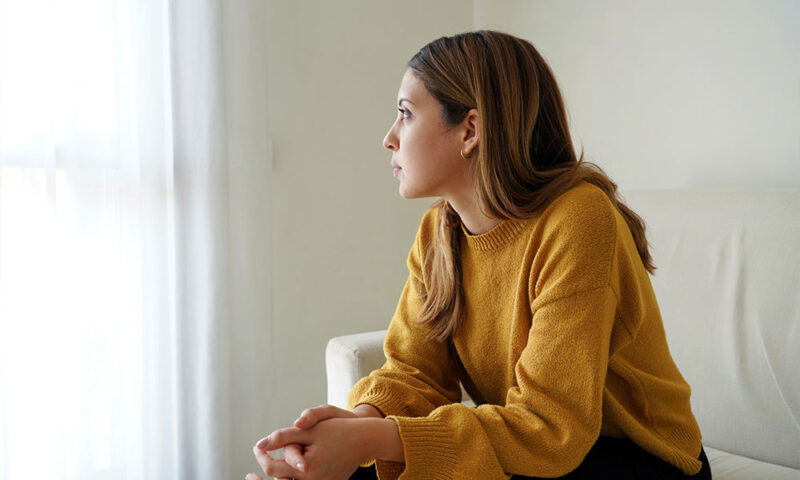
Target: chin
<point x="408" y="192"/>
<point x="405" y="195"/>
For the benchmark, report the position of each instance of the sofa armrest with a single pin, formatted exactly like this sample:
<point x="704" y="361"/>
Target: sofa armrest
<point x="350" y="357"/>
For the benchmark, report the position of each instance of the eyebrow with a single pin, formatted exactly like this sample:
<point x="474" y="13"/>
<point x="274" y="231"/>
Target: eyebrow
<point x="404" y="99"/>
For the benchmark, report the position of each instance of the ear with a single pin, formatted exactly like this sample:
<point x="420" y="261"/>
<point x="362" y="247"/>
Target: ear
<point x="472" y="134"/>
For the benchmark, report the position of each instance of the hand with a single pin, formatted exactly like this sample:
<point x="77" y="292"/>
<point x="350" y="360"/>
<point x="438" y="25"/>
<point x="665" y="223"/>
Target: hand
<point x="333" y="449"/>
<point x="293" y="453"/>
<point x="270" y="465"/>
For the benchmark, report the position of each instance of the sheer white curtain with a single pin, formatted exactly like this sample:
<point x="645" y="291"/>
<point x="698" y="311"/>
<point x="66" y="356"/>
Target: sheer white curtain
<point x="134" y="303"/>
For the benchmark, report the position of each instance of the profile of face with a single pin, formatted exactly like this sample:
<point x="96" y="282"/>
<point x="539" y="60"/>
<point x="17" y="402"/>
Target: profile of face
<point x="426" y="152"/>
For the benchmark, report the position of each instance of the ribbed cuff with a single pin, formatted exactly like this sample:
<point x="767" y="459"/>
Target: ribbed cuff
<point x="427" y="447"/>
<point x="384" y="400"/>
<point x="687" y="444"/>
<point x="389" y="470"/>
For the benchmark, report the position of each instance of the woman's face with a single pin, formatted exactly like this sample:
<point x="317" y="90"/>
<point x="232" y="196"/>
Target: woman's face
<point x="425" y="151"/>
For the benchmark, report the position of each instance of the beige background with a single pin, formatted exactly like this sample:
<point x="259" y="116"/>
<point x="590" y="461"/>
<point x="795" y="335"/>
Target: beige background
<point x="661" y="94"/>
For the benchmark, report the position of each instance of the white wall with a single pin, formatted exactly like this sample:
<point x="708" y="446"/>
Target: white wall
<point x="669" y="94"/>
<point x="662" y="94"/>
<point x="340" y="230"/>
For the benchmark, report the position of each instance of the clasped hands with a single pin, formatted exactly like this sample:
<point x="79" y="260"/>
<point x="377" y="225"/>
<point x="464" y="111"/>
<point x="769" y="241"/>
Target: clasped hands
<point x="325" y="442"/>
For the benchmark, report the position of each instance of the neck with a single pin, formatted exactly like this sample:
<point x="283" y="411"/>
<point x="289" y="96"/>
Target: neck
<point x="471" y="216"/>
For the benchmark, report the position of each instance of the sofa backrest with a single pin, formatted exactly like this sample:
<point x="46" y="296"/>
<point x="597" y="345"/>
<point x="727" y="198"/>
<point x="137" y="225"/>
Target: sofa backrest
<point x="728" y="288"/>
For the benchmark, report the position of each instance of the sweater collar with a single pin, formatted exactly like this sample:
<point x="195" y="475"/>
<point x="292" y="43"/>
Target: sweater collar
<point x="498" y="236"/>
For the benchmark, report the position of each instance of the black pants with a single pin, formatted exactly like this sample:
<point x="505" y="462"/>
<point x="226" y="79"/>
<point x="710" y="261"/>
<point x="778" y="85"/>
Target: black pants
<point x="611" y="458"/>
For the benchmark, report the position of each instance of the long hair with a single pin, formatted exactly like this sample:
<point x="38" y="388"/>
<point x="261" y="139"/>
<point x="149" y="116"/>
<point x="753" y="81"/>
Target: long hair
<point x="525" y="157"/>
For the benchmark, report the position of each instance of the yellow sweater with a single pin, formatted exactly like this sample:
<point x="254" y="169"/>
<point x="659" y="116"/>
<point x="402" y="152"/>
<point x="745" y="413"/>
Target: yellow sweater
<point x="562" y="341"/>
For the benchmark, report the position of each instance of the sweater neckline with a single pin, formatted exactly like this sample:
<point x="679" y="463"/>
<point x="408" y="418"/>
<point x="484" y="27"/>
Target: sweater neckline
<point x="501" y="234"/>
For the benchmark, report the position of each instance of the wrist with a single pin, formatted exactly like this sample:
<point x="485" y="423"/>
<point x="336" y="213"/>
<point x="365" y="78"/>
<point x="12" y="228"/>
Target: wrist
<point x="366" y="410"/>
<point x="381" y="440"/>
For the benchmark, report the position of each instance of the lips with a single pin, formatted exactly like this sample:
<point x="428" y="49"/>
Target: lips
<point x="395" y="168"/>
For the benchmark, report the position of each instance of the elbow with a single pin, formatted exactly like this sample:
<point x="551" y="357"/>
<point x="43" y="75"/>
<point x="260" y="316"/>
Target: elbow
<point x="560" y="443"/>
<point x="565" y="452"/>
<point x="571" y="452"/>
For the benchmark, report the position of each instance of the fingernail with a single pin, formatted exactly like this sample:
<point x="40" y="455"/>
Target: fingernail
<point x="301" y="467"/>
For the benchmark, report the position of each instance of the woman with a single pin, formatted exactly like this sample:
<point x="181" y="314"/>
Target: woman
<point x="528" y="284"/>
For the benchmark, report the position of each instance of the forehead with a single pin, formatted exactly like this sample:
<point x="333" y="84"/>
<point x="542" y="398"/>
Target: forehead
<point x="413" y="89"/>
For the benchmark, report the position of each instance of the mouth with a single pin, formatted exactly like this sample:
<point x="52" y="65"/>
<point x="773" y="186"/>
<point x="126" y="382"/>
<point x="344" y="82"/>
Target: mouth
<point x="396" y="171"/>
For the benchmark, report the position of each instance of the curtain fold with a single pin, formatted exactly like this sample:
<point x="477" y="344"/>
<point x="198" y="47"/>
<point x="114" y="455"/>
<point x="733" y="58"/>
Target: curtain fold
<point x="201" y="183"/>
<point x="134" y="301"/>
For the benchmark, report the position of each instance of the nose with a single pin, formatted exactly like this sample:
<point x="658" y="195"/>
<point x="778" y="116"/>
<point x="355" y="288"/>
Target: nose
<point x="390" y="140"/>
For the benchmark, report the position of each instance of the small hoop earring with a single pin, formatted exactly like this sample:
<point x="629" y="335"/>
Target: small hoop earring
<point x="462" y="154"/>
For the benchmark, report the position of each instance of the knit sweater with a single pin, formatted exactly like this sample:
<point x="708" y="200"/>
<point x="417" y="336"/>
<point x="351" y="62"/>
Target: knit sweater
<point x="561" y="341"/>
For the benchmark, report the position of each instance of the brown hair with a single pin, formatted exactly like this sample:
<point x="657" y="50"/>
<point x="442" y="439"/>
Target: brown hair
<point x="525" y="157"/>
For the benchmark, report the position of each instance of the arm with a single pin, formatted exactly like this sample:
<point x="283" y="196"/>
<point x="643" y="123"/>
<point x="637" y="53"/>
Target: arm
<point x="381" y="440"/>
<point x="419" y="373"/>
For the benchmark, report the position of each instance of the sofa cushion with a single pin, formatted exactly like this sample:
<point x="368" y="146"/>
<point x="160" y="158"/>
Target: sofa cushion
<point x="728" y="287"/>
<point x="727" y="466"/>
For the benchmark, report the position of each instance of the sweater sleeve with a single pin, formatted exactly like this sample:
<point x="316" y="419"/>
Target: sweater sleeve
<point x="419" y="373"/>
<point x="553" y="414"/>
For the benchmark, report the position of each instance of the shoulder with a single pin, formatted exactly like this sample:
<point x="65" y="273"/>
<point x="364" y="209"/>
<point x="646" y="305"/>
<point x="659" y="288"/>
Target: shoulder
<point x="574" y="239"/>
<point x="584" y="208"/>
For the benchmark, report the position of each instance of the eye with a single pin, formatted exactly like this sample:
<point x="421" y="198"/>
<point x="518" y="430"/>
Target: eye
<point x="405" y="112"/>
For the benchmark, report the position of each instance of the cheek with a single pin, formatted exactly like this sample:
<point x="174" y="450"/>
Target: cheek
<point x="429" y="146"/>
<point x="427" y="151"/>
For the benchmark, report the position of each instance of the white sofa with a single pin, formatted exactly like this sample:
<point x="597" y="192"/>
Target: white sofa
<point x="728" y="286"/>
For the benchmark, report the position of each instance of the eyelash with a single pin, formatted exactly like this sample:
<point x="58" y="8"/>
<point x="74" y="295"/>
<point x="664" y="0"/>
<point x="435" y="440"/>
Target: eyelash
<point x="404" y="112"/>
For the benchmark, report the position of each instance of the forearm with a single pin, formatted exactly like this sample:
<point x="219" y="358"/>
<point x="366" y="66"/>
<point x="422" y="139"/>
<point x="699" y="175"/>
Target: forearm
<point x="381" y="440"/>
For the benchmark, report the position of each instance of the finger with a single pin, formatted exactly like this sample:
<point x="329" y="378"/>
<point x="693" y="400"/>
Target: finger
<point x="260" y="457"/>
<point x="293" y="455"/>
<point x="312" y="416"/>
<point x="281" y="438"/>
<point x="275" y="467"/>
<point x="306" y="418"/>
<point x="279" y="469"/>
